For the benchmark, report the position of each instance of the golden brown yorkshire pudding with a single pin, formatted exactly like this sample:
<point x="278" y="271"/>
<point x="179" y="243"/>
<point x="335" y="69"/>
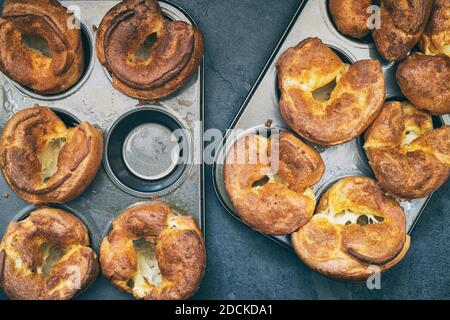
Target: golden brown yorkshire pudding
<point x="408" y="157"/>
<point x="425" y="81"/>
<point x="46" y="257"/>
<point x="355" y="228"/>
<point x="43" y="161"/>
<point x="351" y="16"/>
<point x="402" y="25"/>
<point x="354" y="103"/>
<point x="153" y="253"/>
<point x="436" y="38"/>
<point x="45" y="19"/>
<point x="174" y="57"/>
<point x="269" y="181"/>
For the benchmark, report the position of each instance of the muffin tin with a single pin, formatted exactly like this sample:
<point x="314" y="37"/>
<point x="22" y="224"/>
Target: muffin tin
<point x="260" y="111"/>
<point x="126" y="123"/>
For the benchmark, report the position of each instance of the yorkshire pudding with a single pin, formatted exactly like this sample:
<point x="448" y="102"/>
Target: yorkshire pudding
<point x="47" y="20"/>
<point x="46" y="257"/>
<point x="354" y="228"/>
<point x="408" y="157"/>
<point x="175" y="55"/>
<point x="43" y="161"/>
<point x="269" y="180"/>
<point x="153" y="253"/>
<point x="351" y="16"/>
<point x="425" y="81"/>
<point x="402" y="25"/>
<point x="436" y="38"/>
<point x="354" y="103"/>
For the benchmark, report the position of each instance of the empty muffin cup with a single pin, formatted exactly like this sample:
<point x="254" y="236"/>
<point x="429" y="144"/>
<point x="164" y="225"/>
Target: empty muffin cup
<point x="148" y="151"/>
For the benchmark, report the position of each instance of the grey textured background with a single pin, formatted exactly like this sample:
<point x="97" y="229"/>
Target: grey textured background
<point x="240" y="36"/>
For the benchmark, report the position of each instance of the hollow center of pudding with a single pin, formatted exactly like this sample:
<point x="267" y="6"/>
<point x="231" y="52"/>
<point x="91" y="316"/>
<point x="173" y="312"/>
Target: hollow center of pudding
<point x="48" y="157"/>
<point x="148" y="273"/>
<point x="323" y="93"/>
<point x="269" y="178"/>
<point x="413" y="130"/>
<point x="51" y="255"/>
<point x="151" y="151"/>
<point x="144" y="50"/>
<point x="408" y="137"/>
<point x="417" y="123"/>
<point x="37" y="44"/>
<point x="348" y="216"/>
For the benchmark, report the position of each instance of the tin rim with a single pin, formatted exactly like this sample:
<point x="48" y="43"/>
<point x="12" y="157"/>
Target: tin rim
<point x="69" y="116"/>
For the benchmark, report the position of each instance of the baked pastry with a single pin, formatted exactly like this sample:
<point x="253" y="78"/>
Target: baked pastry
<point x="43" y="161"/>
<point x="410" y="159"/>
<point x="174" y="57"/>
<point x="351" y="16"/>
<point x="436" y="38"/>
<point x="354" y="103"/>
<point x="356" y="231"/>
<point x="46" y="19"/>
<point x="153" y="253"/>
<point x="46" y="257"/>
<point x="433" y="94"/>
<point x="402" y="25"/>
<point x="425" y="81"/>
<point x="269" y="181"/>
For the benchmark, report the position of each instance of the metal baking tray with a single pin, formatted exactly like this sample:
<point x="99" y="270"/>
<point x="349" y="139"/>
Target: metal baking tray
<point x="312" y="19"/>
<point x="95" y="100"/>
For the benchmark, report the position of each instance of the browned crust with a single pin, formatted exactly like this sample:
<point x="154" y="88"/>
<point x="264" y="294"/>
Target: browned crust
<point x="47" y="19"/>
<point x="425" y="81"/>
<point x="168" y="67"/>
<point x="343" y="117"/>
<point x="412" y="171"/>
<point x="78" y="161"/>
<point x="348" y="252"/>
<point x="70" y="275"/>
<point x="402" y="25"/>
<point x="180" y="250"/>
<point x="351" y="16"/>
<point x="436" y="38"/>
<point x="280" y="206"/>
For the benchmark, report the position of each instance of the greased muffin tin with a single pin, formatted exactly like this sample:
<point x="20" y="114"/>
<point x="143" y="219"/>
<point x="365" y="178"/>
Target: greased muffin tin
<point x="94" y="99"/>
<point x="260" y="111"/>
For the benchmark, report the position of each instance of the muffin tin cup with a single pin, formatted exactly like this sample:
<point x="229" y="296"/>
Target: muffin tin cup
<point x="148" y="169"/>
<point x="261" y="105"/>
<point x="89" y="59"/>
<point x="94" y="99"/>
<point x="68" y="118"/>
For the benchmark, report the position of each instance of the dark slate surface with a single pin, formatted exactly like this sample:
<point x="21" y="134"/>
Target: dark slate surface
<point x="240" y="36"/>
